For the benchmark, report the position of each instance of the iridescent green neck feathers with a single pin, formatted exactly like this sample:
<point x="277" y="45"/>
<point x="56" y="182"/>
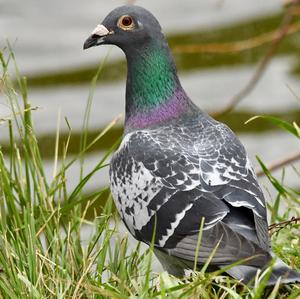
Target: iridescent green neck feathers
<point x="152" y="83"/>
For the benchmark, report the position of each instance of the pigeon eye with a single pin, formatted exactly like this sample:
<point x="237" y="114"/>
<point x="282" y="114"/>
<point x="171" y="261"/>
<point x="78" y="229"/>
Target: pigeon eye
<point x="126" y="23"/>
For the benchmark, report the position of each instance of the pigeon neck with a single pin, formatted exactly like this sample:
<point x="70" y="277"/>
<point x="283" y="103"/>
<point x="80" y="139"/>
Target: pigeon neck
<point x="153" y="92"/>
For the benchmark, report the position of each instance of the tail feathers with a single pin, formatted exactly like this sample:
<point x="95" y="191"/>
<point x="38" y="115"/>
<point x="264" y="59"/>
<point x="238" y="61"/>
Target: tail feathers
<point x="245" y="273"/>
<point x="280" y="270"/>
<point x="287" y="275"/>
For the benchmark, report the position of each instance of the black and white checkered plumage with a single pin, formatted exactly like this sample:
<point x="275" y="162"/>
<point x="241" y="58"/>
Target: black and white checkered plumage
<point x="171" y="176"/>
<point x="177" y="166"/>
<point x="168" y="178"/>
<point x="182" y="172"/>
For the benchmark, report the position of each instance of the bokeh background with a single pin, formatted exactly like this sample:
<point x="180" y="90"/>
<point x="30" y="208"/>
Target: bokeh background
<point x="47" y="39"/>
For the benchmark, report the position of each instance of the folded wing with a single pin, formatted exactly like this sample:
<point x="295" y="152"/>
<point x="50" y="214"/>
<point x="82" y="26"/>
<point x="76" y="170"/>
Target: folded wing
<point x="164" y="185"/>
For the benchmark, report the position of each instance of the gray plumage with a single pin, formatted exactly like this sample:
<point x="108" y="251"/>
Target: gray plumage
<point x="176" y="165"/>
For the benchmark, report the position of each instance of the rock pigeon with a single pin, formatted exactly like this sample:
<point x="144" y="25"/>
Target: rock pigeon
<point x="176" y="165"/>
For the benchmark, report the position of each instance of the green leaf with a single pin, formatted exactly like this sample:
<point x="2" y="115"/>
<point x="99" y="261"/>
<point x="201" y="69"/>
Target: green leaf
<point x="291" y="128"/>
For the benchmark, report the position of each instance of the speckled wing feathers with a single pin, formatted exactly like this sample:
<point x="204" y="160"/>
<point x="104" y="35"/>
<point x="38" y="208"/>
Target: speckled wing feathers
<point x="171" y="177"/>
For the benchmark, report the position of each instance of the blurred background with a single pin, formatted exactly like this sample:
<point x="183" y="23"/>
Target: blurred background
<point x="218" y="46"/>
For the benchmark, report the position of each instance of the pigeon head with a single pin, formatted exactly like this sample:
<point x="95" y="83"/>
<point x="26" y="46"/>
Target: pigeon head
<point x="126" y="27"/>
<point x="153" y="92"/>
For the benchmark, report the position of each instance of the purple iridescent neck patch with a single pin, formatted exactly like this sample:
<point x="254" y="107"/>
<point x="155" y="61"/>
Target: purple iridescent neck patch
<point x="168" y="110"/>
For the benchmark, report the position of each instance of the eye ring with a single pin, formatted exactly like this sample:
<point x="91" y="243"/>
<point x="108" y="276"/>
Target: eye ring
<point x="126" y="23"/>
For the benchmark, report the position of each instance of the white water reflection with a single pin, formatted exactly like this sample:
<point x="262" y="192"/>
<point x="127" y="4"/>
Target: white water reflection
<point x="50" y="34"/>
<point x="210" y="90"/>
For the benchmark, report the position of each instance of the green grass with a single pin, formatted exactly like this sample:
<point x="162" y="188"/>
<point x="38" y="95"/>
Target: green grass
<point x="42" y="250"/>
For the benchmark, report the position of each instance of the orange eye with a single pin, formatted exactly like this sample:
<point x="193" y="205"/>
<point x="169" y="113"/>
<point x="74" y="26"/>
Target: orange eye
<point x="126" y="23"/>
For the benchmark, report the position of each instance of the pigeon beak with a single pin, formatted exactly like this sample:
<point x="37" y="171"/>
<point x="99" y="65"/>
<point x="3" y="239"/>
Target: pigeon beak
<point x="97" y="37"/>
